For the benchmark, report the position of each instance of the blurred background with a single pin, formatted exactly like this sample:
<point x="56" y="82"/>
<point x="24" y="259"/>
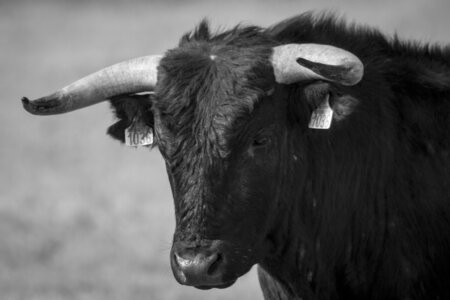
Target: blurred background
<point x="81" y="216"/>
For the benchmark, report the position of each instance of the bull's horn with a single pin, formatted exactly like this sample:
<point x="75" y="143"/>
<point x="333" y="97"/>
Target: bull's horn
<point x="128" y="77"/>
<point x="297" y="62"/>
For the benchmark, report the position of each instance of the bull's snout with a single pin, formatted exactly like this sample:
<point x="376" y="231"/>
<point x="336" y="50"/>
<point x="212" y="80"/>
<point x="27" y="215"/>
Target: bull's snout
<point x="202" y="267"/>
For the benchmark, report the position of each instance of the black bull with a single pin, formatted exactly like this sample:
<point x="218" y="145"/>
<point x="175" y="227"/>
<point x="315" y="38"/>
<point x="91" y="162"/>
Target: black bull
<point x="360" y="210"/>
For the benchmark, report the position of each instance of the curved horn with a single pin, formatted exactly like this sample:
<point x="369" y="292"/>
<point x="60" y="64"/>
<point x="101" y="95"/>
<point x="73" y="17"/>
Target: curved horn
<point x="128" y="77"/>
<point x="297" y="62"/>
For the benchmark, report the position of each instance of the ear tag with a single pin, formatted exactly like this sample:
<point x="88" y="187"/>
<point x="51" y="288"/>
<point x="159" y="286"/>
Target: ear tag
<point x="322" y="116"/>
<point x="138" y="134"/>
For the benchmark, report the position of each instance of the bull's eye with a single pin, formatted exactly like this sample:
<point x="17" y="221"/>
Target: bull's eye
<point x="261" y="141"/>
<point x="259" y="145"/>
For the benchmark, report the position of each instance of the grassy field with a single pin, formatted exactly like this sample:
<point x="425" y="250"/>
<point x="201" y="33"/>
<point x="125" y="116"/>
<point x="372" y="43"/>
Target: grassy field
<point x="82" y="217"/>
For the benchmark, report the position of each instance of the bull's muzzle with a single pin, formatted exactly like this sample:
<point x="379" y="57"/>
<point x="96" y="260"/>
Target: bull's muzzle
<point x="200" y="266"/>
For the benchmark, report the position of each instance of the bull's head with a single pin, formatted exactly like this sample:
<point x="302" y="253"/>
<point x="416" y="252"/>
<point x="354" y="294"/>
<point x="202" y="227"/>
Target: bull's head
<point x="224" y="117"/>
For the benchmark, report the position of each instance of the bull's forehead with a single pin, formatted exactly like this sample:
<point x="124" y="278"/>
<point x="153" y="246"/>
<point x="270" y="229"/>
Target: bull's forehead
<point x="206" y="82"/>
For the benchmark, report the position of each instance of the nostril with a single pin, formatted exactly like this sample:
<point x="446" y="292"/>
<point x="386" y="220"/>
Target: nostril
<point x="199" y="265"/>
<point x="182" y="261"/>
<point x="215" y="262"/>
<point x="175" y="258"/>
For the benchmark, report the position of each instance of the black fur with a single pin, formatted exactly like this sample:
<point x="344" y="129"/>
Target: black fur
<point x="359" y="211"/>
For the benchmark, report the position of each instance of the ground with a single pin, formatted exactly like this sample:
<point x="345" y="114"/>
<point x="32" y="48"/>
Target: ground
<point x="82" y="217"/>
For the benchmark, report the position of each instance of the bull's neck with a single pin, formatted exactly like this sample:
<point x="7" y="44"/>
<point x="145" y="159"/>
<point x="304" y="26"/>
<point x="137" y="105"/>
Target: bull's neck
<point x="317" y="216"/>
<point x="295" y="257"/>
<point x="293" y="260"/>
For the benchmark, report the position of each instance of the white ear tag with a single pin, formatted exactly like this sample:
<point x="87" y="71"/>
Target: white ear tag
<point x="138" y="134"/>
<point x="322" y="116"/>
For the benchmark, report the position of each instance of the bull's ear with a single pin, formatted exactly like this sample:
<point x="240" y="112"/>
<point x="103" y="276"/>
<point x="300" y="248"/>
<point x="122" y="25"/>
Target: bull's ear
<point x="128" y="110"/>
<point x="320" y="95"/>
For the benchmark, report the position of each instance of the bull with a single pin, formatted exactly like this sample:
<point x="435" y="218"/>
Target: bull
<point x="315" y="149"/>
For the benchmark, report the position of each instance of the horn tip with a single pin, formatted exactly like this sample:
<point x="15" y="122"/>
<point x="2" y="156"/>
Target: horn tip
<point x="41" y="106"/>
<point x="25" y="100"/>
<point x="28" y="106"/>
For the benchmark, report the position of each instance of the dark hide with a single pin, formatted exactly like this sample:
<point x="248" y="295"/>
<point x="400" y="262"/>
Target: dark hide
<point x="359" y="211"/>
<point x="208" y="90"/>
